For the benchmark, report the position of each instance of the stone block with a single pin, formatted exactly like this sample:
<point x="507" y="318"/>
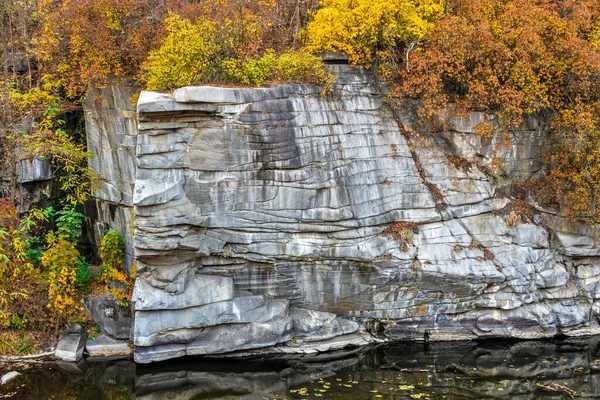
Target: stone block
<point x="70" y="348"/>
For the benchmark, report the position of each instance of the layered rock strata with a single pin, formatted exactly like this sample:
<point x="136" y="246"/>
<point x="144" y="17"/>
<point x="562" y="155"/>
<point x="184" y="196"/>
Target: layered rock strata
<point x="111" y="132"/>
<point x="275" y="215"/>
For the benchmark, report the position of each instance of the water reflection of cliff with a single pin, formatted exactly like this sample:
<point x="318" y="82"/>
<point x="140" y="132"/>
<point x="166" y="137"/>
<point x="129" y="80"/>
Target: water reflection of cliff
<point x="521" y="370"/>
<point x="492" y="369"/>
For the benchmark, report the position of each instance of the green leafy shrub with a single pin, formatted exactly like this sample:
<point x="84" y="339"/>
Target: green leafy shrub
<point x="112" y="250"/>
<point x="33" y="253"/>
<point x="301" y="66"/>
<point x="69" y="223"/>
<point x="250" y="70"/>
<point x="83" y="276"/>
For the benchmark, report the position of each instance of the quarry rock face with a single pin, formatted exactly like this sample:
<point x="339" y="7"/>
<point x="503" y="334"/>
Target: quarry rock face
<point x="111" y="132"/>
<point x="270" y="216"/>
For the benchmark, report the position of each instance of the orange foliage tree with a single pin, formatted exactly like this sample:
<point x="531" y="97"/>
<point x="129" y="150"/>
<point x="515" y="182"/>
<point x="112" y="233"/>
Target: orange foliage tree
<point x="110" y="39"/>
<point x="514" y="58"/>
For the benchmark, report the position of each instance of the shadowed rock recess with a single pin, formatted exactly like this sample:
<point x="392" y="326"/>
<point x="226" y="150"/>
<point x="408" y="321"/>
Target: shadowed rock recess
<point x="261" y="219"/>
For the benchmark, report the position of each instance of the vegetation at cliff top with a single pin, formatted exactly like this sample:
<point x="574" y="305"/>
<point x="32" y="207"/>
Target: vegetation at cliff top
<point x="508" y="58"/>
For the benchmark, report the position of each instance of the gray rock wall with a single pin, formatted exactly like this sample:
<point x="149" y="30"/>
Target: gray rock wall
<point x="111" y="131"/>
<point x="256" y="208"/>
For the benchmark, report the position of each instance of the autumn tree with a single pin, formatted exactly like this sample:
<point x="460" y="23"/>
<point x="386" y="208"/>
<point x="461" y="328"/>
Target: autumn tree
<point x="372" y="31"/>
<point x="514" y="58"/>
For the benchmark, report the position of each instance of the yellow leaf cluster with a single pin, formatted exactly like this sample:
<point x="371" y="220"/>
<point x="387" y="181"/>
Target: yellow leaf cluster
<point x="184" y="57"/>
<point x="112" y="269"/>
<point x="61" y="259"/>
<point x="367" y="29"/>
<point x="595" y="34"/>
<point x="202" y="52"/>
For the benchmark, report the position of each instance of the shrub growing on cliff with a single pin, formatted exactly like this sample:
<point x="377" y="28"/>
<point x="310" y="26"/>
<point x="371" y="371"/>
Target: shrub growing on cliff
<point x="371" y="31"/>
<point x="186" y="55"/>
<point x="301" y="66"/>
<point x="194" y="53"/>
<point x="112" y="252"/>
<point x="250" y="70"/>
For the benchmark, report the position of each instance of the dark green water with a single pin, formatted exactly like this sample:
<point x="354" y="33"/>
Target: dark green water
<point x="559" y="369"/>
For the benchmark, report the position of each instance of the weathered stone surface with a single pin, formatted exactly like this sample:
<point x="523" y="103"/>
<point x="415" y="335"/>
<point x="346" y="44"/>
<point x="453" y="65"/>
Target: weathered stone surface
<point x="283" y="196"/>
<point x="311" y="325"/>
<point x="34" y="170"/>
<point x="70" y="348"/>
<point x="218" y="339"/>
<point x="111" y="133"/>
<point x="113" y="320"/>
<point x="200" y="290"/>
<point x="104" y="346"/>
<point x="152" y="327"/>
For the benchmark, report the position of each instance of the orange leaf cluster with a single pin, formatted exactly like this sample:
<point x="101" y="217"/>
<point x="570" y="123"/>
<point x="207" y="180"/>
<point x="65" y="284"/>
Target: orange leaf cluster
<point x="512" y="59"/>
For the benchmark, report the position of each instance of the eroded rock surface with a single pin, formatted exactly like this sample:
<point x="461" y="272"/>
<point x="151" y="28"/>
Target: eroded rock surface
<point x="250" y="203"/>
<point x="111" y="133"/>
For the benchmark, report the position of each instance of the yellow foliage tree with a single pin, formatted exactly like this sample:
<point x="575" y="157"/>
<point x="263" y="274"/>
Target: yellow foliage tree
<point x="61" y="259"/>
<point x="595" y="34"/>
<point x="184" y="57"/>
<point x="368" y="29"/>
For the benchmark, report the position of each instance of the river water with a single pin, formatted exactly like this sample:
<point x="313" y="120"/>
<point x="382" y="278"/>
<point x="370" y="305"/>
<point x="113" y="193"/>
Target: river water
<point x="558" y="369"/>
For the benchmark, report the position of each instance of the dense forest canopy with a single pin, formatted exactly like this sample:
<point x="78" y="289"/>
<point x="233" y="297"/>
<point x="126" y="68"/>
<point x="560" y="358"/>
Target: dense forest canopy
<point x="511" y="58"/>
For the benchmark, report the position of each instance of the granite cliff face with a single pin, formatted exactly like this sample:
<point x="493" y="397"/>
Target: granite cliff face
<point x="279" y="217"/>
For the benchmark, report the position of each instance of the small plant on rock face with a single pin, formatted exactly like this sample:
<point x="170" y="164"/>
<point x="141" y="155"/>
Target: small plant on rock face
<point x="512" y="219"/>
<point x="112" y="252"/>
<point x="517" y="212"/>
<point x="402" y="232"/>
